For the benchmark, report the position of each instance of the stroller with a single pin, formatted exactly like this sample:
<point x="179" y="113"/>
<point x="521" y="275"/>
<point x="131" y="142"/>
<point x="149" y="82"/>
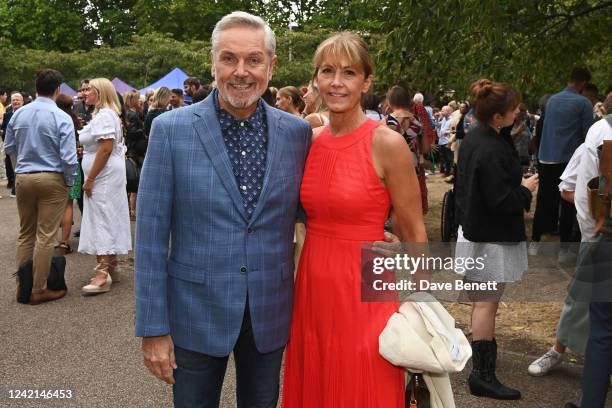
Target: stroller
<point x="448" y="223"/>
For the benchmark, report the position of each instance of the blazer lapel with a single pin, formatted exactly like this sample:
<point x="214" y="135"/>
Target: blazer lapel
<point x="274" y="141"/>
<point x="207" y="127"/>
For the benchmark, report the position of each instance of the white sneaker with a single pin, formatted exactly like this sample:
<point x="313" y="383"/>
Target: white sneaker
<point x="534" y="248"/>
<point x="547" y="362"/>
<point x="566" y="256"/>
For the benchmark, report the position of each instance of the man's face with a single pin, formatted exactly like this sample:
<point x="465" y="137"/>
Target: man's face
<point x="463" y="108"/>
<point x="590" y="95"/>
<point x="189" y="89"/>
<point x="16" y="101"/>
<point x="81" y="92"/>
<point x="175" y="100"/>
<point x="242" y="68"/>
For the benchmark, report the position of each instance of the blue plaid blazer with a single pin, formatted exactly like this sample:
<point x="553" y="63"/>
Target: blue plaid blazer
<point x="198" y="258"/>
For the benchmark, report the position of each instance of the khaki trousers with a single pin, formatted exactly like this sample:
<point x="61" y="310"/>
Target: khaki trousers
<point x="41" y="201"/>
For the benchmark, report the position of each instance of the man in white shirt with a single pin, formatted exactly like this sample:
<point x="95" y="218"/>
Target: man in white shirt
<point x="444" y="133"/>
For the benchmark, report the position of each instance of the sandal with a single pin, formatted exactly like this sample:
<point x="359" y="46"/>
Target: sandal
<point x="65" y="247"/>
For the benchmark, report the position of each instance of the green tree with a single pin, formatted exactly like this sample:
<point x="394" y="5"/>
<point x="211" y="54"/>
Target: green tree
<point x="184" y="20"/>
<point x="115" y="20"/>
<point x="443" y="46"/>
<point x="46" y="24"/>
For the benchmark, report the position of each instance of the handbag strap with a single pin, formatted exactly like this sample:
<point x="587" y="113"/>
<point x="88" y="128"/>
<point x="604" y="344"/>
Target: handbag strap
<point x="413" y="400"/>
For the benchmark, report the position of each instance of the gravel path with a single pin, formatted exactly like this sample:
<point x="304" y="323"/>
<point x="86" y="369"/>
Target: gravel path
<point x="87" y="345"/>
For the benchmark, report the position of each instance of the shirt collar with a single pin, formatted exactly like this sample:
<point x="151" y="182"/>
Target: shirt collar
<point x="226" y="120"/>
<point x="570" y="89"/>
<point x="44" y="99"/>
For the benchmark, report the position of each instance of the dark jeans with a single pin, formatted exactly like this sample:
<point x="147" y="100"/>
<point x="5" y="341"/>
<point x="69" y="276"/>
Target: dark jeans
<point x="446" y="159"/>
<point x="568" y="224"/>
<point x="551" y="210"/>
<point x="598" y="357"/>
<point x="199" y="377"/>
<point x="10" y="173"/>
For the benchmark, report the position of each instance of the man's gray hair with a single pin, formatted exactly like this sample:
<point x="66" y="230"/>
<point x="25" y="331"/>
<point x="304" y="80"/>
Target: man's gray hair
<point x="418" y="97"/>
<point x="242" y="19"/>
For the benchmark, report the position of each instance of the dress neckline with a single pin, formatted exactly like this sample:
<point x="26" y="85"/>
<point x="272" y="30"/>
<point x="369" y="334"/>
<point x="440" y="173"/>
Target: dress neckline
<point x="347" y="139"/>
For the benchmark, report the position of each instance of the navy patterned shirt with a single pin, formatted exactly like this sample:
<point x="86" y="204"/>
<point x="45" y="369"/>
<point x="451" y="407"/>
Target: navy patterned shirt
<point x="246" y="142"/>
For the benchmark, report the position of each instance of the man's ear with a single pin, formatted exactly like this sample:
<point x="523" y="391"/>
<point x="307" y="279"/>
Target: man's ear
<point x="212" y="63"/>
<point x="272" y="66"/>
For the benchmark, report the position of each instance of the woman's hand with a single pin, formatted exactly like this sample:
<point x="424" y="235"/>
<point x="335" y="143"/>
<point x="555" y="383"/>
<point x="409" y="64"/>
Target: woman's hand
<point x="88" y="186"/>
<point x="531" y="182"/>
<point x="105" y="148"/>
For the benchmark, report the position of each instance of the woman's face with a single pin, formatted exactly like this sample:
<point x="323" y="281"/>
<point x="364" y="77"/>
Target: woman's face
<point x="521" y="115"/>
<point x="508" y="118"/>
<point x="91" y="95"/>
<point x="283" y="102"/>
<point x="341" y="84"/>
<point x="151" y="100"/>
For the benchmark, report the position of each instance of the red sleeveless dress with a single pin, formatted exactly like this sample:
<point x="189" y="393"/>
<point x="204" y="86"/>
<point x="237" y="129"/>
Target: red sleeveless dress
<point x="332" y="357"/>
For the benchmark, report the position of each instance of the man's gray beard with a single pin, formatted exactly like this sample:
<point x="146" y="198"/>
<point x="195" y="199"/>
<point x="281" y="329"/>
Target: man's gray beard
<point x="242" y="103"/>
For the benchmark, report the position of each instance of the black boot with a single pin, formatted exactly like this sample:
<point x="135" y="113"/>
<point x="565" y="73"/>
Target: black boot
<point x="482" y="381"/>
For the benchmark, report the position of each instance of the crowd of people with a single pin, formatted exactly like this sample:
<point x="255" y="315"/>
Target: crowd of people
<point x="230" y="194"/>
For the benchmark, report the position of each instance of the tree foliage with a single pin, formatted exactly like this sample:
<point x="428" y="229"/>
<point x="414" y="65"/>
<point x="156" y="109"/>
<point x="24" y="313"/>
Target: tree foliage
<point x="434" y="47"/>
<point x="532" y="45"/>
<point x="59" y="25"/>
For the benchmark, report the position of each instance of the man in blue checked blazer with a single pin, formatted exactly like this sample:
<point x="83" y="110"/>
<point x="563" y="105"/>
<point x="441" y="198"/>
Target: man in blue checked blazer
<point x="217" y="203"/>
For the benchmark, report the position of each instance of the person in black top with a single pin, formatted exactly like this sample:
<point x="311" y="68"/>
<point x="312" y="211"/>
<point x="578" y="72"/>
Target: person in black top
<point x="135" y="141"/>
<point x="491" y="199"/>
<point x="161" y="99"/>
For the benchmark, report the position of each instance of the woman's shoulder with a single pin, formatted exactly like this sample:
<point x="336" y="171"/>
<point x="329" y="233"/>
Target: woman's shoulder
<point x="108" y="112"/>
<point x="316" y="120"/>
<point x="387" y="139"/>
<point x="105" y="121"/>
<point x="316" y="132"/>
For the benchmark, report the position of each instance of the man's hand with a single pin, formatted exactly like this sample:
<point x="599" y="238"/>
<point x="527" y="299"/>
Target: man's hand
<point x="158" y="353"/>
<point x="391" y="246"/>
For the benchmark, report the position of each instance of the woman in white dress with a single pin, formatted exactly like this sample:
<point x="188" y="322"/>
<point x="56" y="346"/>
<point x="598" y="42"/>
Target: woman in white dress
<point x="105" y="228"/>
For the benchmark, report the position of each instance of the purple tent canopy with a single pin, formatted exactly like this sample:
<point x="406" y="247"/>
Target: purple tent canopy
<point x="121" y="86"/>
<point x="173" y="79"/>
<point x="66" y="90"/>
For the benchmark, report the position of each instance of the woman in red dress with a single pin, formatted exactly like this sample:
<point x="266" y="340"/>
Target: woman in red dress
<point x="355" y="172"/>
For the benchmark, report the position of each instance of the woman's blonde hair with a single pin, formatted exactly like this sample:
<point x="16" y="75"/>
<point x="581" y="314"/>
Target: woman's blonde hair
<point x="345" y="45"/>
<point x="132" y="98"/>
<point x="161" y="98"/>
<point x="107" y="95"/>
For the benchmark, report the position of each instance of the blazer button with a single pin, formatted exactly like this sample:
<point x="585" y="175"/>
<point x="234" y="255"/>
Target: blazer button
<point x="243" y="269"/>
<point x="250" y="230"/>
